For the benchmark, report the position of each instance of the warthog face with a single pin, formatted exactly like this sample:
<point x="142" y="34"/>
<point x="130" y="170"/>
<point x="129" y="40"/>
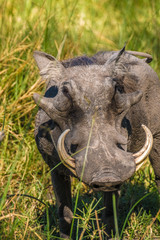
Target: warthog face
<point x="89" y="105"/>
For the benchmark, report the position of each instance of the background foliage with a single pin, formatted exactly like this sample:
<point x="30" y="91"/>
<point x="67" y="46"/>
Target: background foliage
<point x="64" y="28"/>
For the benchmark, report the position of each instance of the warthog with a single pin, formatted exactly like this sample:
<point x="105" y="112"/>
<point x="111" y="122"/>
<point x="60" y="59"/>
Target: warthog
<point x="93" y="118"/>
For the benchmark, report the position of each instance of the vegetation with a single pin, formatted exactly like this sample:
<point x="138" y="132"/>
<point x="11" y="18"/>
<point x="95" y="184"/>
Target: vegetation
<point x="65" y="29"/>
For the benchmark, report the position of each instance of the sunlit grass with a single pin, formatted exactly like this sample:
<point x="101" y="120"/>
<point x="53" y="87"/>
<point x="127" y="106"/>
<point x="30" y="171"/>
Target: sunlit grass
<point x="64" y="29"/>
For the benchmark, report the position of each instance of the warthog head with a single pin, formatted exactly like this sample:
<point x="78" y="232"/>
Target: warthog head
<point x="89" y="105"/>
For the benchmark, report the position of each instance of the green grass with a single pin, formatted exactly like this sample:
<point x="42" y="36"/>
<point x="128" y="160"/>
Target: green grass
<point x="64" y="29"/>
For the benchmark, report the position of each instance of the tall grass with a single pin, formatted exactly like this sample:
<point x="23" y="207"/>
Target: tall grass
<point x="64" y="29"/>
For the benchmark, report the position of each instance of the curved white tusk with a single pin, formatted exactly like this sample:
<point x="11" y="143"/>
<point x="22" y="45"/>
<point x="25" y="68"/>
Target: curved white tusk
<point x="141" y="155"/>
<point x="66" y="159"/>
<point x="138" y="166"/>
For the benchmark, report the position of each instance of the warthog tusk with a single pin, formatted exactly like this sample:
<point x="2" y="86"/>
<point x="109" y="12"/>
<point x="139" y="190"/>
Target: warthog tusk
<point x="66" y="159"/>
<point x="141" y="155"/>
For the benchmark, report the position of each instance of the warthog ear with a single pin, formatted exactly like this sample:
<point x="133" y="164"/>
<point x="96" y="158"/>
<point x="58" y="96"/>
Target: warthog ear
<point x="42" y="59"/>
<point x="48" y="65"/>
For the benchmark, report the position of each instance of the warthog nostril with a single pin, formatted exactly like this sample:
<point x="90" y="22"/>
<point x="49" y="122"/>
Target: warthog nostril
<point x="95" y="186"/>
<point x="117" y="186"/>
<point x="74" y="148"/>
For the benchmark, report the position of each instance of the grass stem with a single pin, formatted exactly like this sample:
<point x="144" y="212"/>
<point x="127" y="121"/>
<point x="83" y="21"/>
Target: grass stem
<point x="115" y="215"/>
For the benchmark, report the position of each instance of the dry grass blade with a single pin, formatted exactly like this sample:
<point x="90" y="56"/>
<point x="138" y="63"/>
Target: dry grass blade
<point x="25" y="231"/>
<point x="18" y="49"/>
<point x="2" y="90"/>
<point x="10" y="215"/>
<point x="154" y="219"/>
<point x="97" y="221"/>
<point x="37" y="235"/>
<point x="82" y="234"/>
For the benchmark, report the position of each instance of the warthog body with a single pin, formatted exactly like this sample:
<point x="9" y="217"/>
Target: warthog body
<point x="103" y="100"/>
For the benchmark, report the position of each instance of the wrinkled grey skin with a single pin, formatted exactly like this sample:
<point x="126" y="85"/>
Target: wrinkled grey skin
<point x="116" y="95"/>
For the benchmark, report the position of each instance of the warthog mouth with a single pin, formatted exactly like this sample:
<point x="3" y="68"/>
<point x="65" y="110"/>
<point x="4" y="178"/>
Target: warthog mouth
<point x="106" y="188"/>
<point x="105" y="181"/>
